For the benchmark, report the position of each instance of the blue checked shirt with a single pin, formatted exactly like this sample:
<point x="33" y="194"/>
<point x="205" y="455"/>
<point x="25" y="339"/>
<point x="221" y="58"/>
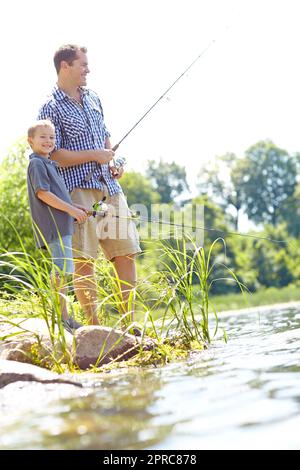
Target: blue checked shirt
<point x="80" y="127"/>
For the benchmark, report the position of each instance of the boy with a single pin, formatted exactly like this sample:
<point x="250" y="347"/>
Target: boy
<point x="52" y="209"/>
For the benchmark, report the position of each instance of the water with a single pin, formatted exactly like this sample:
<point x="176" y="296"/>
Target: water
<point x="241" y="395"/>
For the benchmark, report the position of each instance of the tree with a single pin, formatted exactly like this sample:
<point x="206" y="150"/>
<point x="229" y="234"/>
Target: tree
<point x="268" y="179"/>
<point x="290" y="213"/>
<point x="169" y="179"/>
<point x="215" y="223"/>
<point x="220" y="179"/>
<point x="14" y="206"/>
<point x="272" y="260"/>
<point x="138" y="189"/>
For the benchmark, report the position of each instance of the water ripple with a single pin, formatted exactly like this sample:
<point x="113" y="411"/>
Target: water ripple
<point x="241" y="395"/>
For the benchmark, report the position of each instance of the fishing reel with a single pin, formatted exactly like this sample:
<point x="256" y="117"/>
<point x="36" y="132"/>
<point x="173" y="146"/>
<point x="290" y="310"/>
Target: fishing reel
<point x="119" y="162"/>
<point x="100" y="208"/>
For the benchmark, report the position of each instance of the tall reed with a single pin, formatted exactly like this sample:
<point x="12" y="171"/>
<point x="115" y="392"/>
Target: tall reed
<point x="27" y="279"/>
<point x="174" y="300"/>
<point x="189" y="271"/>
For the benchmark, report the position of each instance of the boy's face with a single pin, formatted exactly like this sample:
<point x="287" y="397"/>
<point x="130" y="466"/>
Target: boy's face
<point x="43" y="141"/>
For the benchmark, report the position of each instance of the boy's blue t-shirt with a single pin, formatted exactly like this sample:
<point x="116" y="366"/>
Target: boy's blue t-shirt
<point x="43" y="174"/>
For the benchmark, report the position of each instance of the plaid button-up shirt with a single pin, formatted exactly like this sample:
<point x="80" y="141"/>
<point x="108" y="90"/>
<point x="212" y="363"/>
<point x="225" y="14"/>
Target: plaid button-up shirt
<point x="80" y="127"/>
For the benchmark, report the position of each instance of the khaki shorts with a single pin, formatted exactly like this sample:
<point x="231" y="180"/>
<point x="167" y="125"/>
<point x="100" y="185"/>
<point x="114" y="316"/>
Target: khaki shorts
<point x="117" y="237"/>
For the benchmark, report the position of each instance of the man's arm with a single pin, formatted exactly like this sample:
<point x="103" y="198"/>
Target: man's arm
<point x="52" y="200"/>
<point x="107" y="143"/>
<point x="66" y="158"/>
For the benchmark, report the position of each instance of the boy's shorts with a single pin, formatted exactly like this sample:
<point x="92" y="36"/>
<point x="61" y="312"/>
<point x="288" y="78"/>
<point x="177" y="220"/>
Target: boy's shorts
<point x="117" y="237"/>
<point x="62" y="255"/>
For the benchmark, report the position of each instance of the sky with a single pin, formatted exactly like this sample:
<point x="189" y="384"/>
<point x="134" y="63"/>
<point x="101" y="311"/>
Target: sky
<point x="245" y="88"/>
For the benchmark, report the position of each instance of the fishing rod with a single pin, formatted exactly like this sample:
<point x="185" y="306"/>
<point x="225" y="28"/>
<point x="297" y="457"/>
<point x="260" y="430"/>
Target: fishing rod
<point x="117" y="164"/>
<point x="100" y="209"/>
<point x="115" y="147"/>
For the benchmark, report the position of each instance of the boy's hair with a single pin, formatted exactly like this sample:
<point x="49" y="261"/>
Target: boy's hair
<point x="37" y="124"/>
<point x="68" y="53"/>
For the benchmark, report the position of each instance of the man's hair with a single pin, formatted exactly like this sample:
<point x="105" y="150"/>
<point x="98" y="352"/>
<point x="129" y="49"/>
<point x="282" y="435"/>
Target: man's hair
<point x="41" y="123"/>
<point x="67" y="53"/>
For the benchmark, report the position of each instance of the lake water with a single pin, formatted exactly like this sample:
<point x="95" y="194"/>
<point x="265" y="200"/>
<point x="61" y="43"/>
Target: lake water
<point x="241" y="395"/>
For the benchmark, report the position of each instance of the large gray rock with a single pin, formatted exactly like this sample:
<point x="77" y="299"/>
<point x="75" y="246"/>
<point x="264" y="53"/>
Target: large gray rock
<point x="11" y="371"/>
<point x="98" y="345"/>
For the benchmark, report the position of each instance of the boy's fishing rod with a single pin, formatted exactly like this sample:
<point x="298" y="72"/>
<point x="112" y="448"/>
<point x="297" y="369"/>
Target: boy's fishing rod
<point x="163" y="95"/>
<point x="100" y="209"/>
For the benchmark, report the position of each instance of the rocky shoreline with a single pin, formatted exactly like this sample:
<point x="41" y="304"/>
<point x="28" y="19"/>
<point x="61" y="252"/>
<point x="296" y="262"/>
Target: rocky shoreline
<point x="28" y="341"/>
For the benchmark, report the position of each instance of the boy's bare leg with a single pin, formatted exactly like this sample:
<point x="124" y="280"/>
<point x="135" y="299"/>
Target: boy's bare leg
<point x="126" y="270"/>
<point x="86" y="289"/>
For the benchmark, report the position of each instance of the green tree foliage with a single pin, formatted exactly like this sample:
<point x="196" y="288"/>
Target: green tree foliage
<point x="272" y="260"/>
<point x="215" y="221"/>
<point x="220" y="179"/>
<point x="264" y="180"/>
<point x="291" y="213"/>
<point x="268" y="180"/>
<point x="240" y="250"/>
<point x="138" y="189"/>
<point x="216" y="226"/>
<point x="14" y="205"/>
<point x="169" y="179"/>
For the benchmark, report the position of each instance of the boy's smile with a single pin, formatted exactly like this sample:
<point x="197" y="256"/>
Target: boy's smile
<point x="43" y="141"/>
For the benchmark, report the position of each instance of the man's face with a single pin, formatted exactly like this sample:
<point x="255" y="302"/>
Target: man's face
<point x="43" y="141"/>
<point x="79" y="69"/>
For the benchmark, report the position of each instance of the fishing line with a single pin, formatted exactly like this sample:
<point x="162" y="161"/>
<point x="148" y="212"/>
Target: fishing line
<point x="104" y="213"/>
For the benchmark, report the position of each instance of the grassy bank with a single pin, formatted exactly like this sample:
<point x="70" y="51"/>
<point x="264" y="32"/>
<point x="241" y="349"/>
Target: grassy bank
<point x="178" y="296"/>
<point x="268" y="296"/>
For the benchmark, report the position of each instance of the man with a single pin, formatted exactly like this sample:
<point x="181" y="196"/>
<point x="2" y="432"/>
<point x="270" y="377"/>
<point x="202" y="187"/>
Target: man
<point x="83" y="152"/>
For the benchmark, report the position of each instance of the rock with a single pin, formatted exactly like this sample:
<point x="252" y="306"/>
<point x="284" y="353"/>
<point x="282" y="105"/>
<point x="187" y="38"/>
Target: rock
<point x="21" y="350"/>
<point x="98" y="345"/>
<point x="11" y="371"/>
<point x="33" y="345"/>
<point x="28" y="340"/>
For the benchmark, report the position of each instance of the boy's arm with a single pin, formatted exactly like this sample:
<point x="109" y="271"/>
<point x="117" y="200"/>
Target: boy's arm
<point x="52" y="200"/>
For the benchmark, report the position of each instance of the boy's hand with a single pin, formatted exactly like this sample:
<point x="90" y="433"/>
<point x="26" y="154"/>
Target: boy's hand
<point x="78" y="214"/>
<point x="79" y="206"/>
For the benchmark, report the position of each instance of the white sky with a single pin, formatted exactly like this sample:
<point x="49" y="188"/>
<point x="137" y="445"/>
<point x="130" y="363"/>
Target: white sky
<point x="245" y="88"/>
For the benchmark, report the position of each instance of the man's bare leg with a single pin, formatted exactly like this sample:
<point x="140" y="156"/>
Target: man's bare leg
<point x="126" y="270"/>
<point x="86" y="289"/>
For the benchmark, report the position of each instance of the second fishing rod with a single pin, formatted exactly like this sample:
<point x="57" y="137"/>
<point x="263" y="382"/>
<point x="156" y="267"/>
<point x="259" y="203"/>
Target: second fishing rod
<point x="118" y="163"/>
<point x="101" y="209"/>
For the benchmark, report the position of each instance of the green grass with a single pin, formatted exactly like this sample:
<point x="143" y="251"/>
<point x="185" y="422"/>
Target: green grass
<point x="263" y="296"/>
<point x="177" y="295"/>
<point x="168" y="295"/>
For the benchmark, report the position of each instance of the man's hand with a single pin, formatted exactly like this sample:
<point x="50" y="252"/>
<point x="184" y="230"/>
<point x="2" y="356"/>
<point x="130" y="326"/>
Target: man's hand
<point x="116" y="173"/>
<point x="104" y="155"/>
